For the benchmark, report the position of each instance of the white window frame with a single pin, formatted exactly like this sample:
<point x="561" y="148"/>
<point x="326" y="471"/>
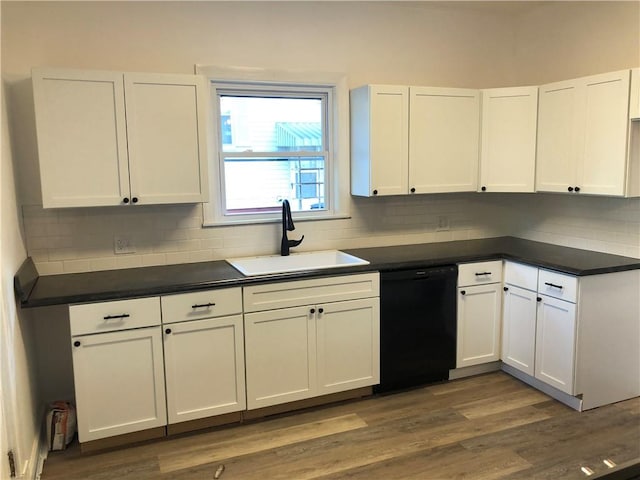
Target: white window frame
<point x="337" y="170"/>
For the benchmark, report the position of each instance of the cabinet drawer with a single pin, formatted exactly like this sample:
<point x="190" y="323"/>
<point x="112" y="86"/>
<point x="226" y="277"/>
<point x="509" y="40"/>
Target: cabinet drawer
<point x="520" y="275"/>
<point x="558" y="285"/>
<point x="101" y="317"/>
<point x="308" y="292"/>
<point x="479" y="273"/>
<point x="197" y="305"/>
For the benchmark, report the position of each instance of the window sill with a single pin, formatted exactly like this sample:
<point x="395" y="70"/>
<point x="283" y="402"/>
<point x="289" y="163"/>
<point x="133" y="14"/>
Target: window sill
<point x="257" y="221"/>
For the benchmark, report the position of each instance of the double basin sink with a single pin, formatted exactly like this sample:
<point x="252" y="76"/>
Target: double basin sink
<point x="296" y="262"/>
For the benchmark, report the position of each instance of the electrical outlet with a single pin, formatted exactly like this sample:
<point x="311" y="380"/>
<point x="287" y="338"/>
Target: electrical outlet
<point x="443" y="223"/>
<point x="123" y="244"/>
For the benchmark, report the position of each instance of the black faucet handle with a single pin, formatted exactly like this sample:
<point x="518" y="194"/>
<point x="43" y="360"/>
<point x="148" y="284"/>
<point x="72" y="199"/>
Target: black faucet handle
<point x="295" y="243"/>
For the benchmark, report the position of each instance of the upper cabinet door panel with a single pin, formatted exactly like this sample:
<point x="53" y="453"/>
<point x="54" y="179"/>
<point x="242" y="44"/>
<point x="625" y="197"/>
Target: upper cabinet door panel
<point x="166" y="123"/>
<point x="555" y="167"/>
<point x="603" y="146"/>
<point x="508" y="153"/>
<point x="389" y="130"/>
<point x="82" y="138"/>
<point x="443" y="139"/>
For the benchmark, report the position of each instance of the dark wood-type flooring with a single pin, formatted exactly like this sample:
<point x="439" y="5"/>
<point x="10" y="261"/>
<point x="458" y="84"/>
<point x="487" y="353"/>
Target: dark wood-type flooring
<point x="486" y="427"/>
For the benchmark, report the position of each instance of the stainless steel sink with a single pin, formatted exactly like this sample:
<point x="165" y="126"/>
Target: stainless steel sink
<point x="296" y="262"/>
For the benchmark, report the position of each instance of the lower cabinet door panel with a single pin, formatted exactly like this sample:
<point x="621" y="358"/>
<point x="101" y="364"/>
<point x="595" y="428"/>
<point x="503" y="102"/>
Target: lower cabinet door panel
<point x="555" y="343"/>
<point x="479" y="319"/>
<point x="280" y="355"/>
<point x="119" y="382"/>
<point x="348" y="345"/>
<point x="204" y="368"/>
<point x="519" y="328"/>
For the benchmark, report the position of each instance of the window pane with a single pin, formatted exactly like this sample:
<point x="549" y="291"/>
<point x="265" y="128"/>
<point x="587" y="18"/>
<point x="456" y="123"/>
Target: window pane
<point x="266" y="124"/>
<point x="259" y="184"/>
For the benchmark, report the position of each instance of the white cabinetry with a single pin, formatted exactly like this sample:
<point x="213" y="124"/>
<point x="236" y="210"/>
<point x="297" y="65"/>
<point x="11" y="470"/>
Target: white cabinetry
<point x="634" y="100"/>
<point x="444" y="134"/>
<point x="582" y="135"/>
<point x="311" y="337"/>
<point x="112" y="138"/>
<point x="519" y="316"/>
<point x="479" y="313"/>
<point x="117" y="367"/>
<point x="413" y="140"/>
<point x="203" y="354"/>
<point x="509" y="127"/>
<point x="577" y="339"/>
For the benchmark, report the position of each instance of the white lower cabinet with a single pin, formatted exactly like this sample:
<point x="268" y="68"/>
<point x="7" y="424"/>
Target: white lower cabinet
<point x="317" y="348"/>
<point x="555" y="343"/>
<point x="519" y="328"/>
<point x="479" y="313"/>
<point x="204" y="368"/>
<point x="117" y="367"/>
<point x="203" y="354"/>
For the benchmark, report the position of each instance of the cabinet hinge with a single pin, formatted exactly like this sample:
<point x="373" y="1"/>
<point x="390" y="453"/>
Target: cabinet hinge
<point x="12" y="463"/>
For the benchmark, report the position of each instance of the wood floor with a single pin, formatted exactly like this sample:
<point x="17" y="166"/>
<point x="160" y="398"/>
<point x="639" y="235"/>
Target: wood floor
<point x="486" y="427"/>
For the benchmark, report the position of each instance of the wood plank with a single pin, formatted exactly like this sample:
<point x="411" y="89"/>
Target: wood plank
<point x="179" y="460"/>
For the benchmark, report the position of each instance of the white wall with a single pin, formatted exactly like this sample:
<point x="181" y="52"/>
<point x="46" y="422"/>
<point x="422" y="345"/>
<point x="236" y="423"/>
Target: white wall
<point x="21" y="405"/>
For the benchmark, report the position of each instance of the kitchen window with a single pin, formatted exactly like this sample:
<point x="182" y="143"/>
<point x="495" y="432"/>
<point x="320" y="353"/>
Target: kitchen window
<point x="277" y="140"/>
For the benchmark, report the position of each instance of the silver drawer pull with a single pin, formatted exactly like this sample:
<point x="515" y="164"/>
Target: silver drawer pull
<point x="202" y="305"/>
<point x="113" y="317"/>
<point x="479" y="274"/>
<point x="553" y="285"/>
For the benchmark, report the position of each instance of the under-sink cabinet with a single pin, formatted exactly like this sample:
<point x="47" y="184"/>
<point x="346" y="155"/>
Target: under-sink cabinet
<point x="113" y="138"/>
<point x="479" y="313"/>
<point x="311" y="337"/>
<point x="203" y="353"/>
<point x="117" y="367"/>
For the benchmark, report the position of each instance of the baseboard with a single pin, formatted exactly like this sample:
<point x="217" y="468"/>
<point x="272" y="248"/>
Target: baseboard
<point x="39" y="451"/>
<point x="474" y="370"/>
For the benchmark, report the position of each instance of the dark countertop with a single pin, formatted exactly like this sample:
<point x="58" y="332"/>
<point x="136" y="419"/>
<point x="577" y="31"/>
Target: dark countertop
<point x="147" y="281"/>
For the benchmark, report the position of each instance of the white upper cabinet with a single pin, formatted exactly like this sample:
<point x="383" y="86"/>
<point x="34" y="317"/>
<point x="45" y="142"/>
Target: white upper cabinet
<point x="582" y="135"/>
<point x="413" y="140"/>
<point x="508" y="140"/>
<point x="379" y="140"/>
<point x="634" y="101"/>
<point x="108" y="138"/>
<point x="444" y="128"/>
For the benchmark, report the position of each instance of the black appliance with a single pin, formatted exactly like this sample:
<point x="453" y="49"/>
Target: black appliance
<point x="417" y="326"/>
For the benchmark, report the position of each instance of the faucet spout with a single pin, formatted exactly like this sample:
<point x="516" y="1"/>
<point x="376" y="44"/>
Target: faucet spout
<point x="287" y="225"/>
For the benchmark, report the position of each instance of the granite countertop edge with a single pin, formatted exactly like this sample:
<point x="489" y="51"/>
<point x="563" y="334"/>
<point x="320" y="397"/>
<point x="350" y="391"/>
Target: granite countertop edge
<point x="108" y="285"/>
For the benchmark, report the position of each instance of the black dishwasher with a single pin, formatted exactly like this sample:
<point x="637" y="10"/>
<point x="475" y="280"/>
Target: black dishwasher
<point x="417" y="326"/>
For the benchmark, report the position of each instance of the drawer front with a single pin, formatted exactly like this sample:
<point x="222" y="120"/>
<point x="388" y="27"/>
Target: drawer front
<point x="309" y="292"/>
<point x="520" y="275"/>
<point x="479" y="273"/>
<point x="558" y="285"/>
<point x="88" y="318"/>
<point x="205" y="304"/>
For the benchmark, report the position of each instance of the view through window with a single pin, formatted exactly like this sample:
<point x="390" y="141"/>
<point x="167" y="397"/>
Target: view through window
<point x="273" y="146"/>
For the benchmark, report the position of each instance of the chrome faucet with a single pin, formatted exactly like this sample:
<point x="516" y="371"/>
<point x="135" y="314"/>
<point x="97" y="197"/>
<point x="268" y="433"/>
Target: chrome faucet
<point x="287" y="224"/>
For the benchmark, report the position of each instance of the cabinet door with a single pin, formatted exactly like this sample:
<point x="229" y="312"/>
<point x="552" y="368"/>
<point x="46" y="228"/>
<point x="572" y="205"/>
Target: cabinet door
<point x="204" y="368"/>
<point x="479" y="316"/>
<point x="166" y="125"/>
<point x="519" y="328"/>
<point x="555" y="162"/>
<point x="119" y="382"/>
<point x="634" y="99"/>
<point x="348" y="345"/>
<point x="82" y="138"/>
<point x="280" y="348"/>
<point x="443" y="139"/>
<point x="602" y="147"/>
<point x="389" y="130"/>
<point x="555" y="343"/>
<point x="509" y="128"/>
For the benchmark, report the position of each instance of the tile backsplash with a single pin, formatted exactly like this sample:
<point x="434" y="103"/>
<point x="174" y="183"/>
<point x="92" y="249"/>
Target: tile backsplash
<point x="82" y="239"/>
